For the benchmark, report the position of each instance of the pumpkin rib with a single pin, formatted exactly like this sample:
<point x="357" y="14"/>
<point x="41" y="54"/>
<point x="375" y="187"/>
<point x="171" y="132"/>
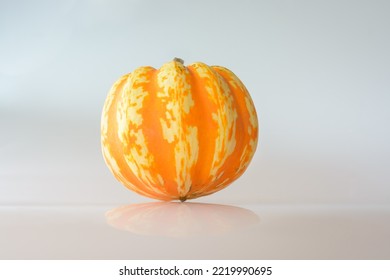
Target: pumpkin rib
<point x="175" y="92"/>
<point x="124" y="174"/>
<point x="247" y="111"/>
<point x="152" y="111"/>
<point x="130" y="129"/>
<point x="207" y="129"/>
<point x="230" y="165"/>
<point x="108" y="136"/>
<point x="218" y="114"/>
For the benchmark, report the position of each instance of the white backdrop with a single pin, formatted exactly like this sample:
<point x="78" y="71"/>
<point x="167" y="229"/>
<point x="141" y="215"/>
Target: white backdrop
<point x="318" y="72"/>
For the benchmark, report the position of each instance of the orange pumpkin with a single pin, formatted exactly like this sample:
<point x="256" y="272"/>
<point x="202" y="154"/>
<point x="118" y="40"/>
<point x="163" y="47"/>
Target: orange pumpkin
<point x="178" y="132"/>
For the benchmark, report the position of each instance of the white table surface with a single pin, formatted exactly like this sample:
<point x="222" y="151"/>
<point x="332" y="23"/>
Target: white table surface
<point x="156" y="230"/>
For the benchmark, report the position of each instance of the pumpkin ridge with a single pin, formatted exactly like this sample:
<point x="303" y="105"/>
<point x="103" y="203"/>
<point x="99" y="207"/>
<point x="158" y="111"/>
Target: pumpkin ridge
<point x="223" y="115"/>
<point x="175" y="93"/>
<point x="248" y="113"/>
<point x="112" y="148"/>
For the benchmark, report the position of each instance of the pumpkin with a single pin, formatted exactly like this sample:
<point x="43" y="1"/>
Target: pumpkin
<point x="178" y="132"/>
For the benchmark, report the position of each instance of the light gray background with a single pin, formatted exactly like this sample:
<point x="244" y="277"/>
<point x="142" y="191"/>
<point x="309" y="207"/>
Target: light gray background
<point x="318" y="72"/>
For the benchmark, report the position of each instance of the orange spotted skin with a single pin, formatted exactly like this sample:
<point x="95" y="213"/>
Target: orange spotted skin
<point x="178" y="132"/>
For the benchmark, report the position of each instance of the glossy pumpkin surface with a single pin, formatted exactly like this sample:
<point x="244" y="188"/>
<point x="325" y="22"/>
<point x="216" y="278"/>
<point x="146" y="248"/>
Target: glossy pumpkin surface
<point x="178" y="132"/>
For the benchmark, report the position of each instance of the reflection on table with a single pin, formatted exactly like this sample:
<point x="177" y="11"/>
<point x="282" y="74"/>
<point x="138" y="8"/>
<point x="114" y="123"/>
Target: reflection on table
<point x="176" y="219"/>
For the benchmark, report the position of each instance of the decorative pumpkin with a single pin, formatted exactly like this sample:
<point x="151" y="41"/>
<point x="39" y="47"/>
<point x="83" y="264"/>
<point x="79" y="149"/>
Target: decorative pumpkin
<point x="179" y="132"/>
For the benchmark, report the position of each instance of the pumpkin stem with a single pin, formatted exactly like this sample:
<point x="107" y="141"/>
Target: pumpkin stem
<point x="182" y="199"/>
<point x="178" y="60"/>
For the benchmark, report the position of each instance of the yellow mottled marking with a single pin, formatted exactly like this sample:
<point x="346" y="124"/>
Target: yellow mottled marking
<point x="252" y="112"/>
<point x="108" y="104"/>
